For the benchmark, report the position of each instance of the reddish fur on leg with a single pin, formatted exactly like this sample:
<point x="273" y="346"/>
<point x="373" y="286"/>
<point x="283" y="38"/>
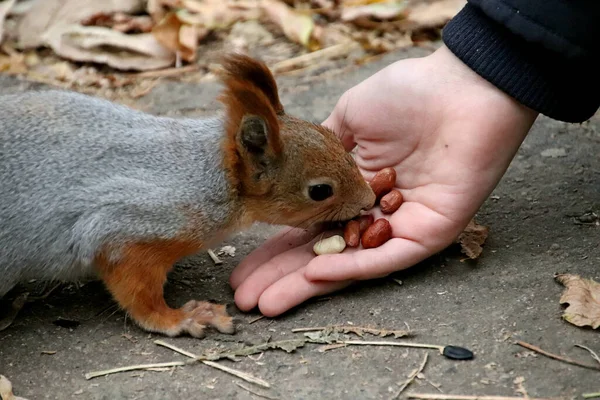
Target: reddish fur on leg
<point x="136" y="282"/>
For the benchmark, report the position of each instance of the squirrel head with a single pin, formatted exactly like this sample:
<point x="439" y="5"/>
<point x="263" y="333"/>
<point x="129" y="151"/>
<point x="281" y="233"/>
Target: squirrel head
<point x="287" y="171"/>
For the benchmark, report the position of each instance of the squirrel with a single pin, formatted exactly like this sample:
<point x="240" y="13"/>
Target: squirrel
<point x="89" y="187"/>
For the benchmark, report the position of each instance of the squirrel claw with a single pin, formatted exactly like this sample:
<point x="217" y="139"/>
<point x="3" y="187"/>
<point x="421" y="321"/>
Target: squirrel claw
<point x="199" y="314"/>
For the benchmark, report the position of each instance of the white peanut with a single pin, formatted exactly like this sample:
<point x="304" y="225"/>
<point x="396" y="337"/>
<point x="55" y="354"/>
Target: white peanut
<point x="331" y="245"/>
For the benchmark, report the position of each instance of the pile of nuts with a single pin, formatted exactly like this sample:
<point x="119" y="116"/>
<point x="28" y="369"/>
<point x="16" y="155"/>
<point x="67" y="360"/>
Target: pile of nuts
<point x="365" y="229"/>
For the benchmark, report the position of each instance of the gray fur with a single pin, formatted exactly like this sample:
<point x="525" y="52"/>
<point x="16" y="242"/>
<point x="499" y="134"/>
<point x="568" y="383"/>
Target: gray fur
<point x="78" y="172"/>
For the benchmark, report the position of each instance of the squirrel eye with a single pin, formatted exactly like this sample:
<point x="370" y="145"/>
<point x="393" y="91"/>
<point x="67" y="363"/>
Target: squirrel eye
<point x="320" y="192"/>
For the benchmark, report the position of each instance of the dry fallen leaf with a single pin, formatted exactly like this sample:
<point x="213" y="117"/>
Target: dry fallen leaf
<point x="472" y="238"/>
<point x="174" y="35"/>
<point x="5" y="8"/>
<point x="106" y="46"/>
<point x="296" y="26"/>
<point x="6" y="391"/>
<point x="583" y="299"/>
<point x="432" y="15"/>
<point x="381" y="11"/>
<point x="43" y="15"/>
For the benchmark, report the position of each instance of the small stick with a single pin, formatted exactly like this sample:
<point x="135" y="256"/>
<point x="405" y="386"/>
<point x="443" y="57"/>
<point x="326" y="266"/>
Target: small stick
<point x="214" y="257"/>
<point x="255" y="392"/>
<point x="96" y="374"/>
<point x="303" y="60"/>
<point x="239" y="374"/>
<point x="160" y="73"/>
<point x="388" y="343"/>
<point x="592" y="352"/>
<point x="253" y="320"/>
<point x="412" y="377"/>
<point x="556" y="357"/>
<point x="590" y="395"/>
<point x="436" y="396"/>
<point x="352" y="328"/>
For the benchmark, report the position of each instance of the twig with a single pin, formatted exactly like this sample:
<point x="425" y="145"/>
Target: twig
<point x="411" y="378"/>
<point x="590" y="395"/>
<point x="303" y="60"/>
<point x="96" y="374"/>
<point x="253" y="320"/>
<point x="556" y="357"/>
<point x="214" y="257"/>
<point x="592" y="352"/>
<point x="255" y="392"/>
<point x="436" y="396"/>
<point x="357" y="330"/>
<point x="387" y="343"/>
<point x="239" y="374"/>
<point x="173" y="71"/>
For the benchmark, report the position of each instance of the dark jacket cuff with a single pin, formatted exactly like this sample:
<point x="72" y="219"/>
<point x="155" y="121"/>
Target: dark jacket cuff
<point x="560" y="88"/>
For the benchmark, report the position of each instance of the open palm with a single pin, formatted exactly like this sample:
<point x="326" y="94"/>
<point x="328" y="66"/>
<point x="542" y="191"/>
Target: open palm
<point x="449" y="134"/>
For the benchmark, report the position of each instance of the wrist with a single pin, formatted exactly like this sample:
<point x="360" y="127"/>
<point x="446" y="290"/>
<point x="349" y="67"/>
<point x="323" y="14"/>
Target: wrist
<point x="484" y="95"/>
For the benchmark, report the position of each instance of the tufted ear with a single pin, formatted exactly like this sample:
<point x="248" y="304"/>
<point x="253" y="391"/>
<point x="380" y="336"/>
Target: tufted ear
<point x="252" y="144"/>
<point x="246" y="69"/>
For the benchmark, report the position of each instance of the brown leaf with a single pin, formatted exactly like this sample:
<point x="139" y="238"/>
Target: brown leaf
<point x="472" y="238"/>
<point x="432" y="15"/>
<point x="5" y="8"/>
<point x="106" y="46"/>
<point x="44" y="15"/>
<point x="583" y="299"/>
<point x="177" y="36"/>
<point x="296" y="26"/>
<point x="378" y="11"/>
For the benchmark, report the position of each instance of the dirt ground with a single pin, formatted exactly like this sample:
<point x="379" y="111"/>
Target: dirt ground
<point x="540" y="223"/>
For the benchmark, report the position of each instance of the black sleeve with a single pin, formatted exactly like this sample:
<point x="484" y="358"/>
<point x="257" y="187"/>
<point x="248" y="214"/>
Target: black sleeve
<point x="544" y="53"/>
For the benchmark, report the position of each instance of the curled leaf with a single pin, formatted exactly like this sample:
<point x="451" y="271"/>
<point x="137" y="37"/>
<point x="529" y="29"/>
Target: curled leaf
<point x="583" y="299"/>
<point x="106" y="46"/>
<point x="176" y="36"/>
<point x="472" y="238"/>
<point x="44" y="15"/>
<point x="379" y="11"/>
<point x="296" y="26"/>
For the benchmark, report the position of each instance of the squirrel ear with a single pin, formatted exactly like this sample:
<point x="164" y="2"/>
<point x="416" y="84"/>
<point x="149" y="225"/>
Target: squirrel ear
<point x="245" y="69"/>
<point x="253" y="134"/>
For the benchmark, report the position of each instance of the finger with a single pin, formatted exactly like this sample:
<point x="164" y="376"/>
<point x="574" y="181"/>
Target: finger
<point x="291" y="290"/>
<point x="282" y="241"/>
<point x="396" y="254"/>
<point x="338" y="122"/>
<point x="249" y="291"/>
<point x="418" y="233"/>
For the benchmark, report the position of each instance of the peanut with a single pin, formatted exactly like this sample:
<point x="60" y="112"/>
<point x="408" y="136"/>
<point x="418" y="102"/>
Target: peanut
<point x="383" y="181"/>
<point x="377" y="234"/>
<point x="365" y="221"/>
<point x="331" y="245"/>
<point x="352" y="233"/>
<point x="391" y="202"/>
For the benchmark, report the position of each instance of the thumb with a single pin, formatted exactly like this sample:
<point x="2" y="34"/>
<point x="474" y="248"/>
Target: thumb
<point x="338" y="122"/>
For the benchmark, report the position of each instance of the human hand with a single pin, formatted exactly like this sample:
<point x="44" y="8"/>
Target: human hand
<point x="449" y="134"/>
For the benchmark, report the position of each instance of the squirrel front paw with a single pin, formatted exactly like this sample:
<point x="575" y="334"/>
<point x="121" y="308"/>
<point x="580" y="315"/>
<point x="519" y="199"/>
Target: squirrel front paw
<point x="200" y="314"/>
